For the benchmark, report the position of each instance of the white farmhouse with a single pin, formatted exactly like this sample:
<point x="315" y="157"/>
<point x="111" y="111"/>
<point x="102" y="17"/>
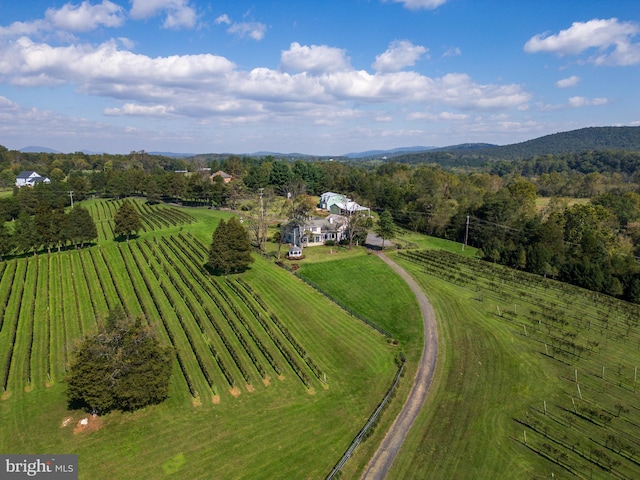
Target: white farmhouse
<point x="29" y="179"/>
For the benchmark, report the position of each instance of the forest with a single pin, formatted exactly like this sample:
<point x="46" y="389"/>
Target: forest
<point x="572" y="216"/>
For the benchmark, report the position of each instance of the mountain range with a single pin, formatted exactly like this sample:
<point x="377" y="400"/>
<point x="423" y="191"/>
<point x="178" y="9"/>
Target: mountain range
<point x="574" y="141"/>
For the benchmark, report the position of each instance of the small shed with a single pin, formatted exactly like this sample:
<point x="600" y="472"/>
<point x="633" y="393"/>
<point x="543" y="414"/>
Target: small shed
<point x="295" y="252"/>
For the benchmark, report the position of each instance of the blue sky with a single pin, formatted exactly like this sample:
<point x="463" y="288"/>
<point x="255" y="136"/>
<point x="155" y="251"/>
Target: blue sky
<point x="322" y="78"/>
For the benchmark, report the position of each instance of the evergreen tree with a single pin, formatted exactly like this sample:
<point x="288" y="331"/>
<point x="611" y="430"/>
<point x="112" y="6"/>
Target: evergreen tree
<point x="6" y="240"/>
<point x="127" y="220"/>
<point x="25" y="234"/>
<point x="47" y="225"/>
<point x="121" y="366"/>
<point x="230" y="250"/>
<point x="80" y="227"/>
<point x="280" y="175"/>
<point x="385" y="228"/>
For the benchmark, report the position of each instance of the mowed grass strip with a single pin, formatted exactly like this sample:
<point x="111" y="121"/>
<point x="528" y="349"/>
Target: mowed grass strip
<point x="58" y="340"/>
<point x="84" y="303"/>
<point x="40" y="350"/>
<point x="10" y="326"/>
<point x="20" y="370"/>
<point x="101" y="306"/>
<point x="69" y="301"/>
<point x="366" y="285"/>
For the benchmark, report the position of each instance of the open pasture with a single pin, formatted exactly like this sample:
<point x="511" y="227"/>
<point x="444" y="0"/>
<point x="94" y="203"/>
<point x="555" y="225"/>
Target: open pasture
<point x="537" y="377"/>
<point x="267" y="372"/>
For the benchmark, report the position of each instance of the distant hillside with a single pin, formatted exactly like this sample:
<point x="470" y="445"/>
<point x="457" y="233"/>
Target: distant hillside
<point x="574" y="141"/>
<point x="394" y="152"/>
<point x="465" y="146"/>
<point x="36" y="149"/>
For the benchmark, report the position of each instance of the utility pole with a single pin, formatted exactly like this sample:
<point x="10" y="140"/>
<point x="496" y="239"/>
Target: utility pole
<point x="466" y="234"/>
<point x="71" y="197"/>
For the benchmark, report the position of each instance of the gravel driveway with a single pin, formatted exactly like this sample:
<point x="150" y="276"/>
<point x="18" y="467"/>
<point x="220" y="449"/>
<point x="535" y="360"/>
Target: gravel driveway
<point x="382" y="460"/>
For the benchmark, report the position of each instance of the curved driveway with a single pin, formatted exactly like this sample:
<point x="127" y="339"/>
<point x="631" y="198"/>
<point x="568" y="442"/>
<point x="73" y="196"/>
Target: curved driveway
<point x="381" y="462"/>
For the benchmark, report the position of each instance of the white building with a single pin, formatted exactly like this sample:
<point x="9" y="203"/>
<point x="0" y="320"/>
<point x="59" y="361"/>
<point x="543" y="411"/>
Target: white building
<point x="29" y="179"/>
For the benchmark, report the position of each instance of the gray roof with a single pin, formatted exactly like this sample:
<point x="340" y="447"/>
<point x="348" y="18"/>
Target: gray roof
<point x="26" y="174"/>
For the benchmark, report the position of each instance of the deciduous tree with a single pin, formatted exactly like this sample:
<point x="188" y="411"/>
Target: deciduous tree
<point x="127" y="220"/>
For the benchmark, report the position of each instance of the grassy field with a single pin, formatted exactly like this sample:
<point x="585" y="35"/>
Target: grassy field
<point x="537" y="378"/>
<point x="270" y="378"/>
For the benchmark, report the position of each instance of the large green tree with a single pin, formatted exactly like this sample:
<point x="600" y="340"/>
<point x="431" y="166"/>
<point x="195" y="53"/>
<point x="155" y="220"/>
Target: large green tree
<point x="385" y="227"/>
<point x="121" y="366"/>
<point x="80" y="227"/>
<point x="6" y="240"/>
<point x="127" y="220"/>
<point x="230" y="250"/>
<point x="25" y="234"/>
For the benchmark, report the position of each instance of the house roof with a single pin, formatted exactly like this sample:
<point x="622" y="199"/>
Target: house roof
<point x="350" y="206"/>
<point x="221" y="174"/>
<point x="27" y="174"/>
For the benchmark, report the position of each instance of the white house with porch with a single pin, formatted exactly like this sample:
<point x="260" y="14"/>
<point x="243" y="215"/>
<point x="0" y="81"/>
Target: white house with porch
<point x="29" y="179"/>
<point x="316" y="231"/>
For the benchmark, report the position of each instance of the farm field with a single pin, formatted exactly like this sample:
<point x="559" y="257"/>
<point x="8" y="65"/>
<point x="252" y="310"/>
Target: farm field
<point x="536" y="378"/>
<point x="259" y="389"/>
<point x="543" y="202"/>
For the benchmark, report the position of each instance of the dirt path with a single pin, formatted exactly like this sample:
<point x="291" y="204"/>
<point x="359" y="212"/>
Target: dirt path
<point x="381" y="462"/>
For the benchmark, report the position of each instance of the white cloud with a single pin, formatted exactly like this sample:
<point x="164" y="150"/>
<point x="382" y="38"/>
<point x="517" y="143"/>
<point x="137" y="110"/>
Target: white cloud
<point x="313" y="83"/>
<point x="140" y="110"/>
<point x="578" y="102"/>
<point x="21" y="125"/>
<point x="611" y="39"/>
<point x="254" y="30"/>
<point x="420" y="4"/>
<point x="453" y="116"/>
<point x="433" y="117"/>
<point x="179" y="14"/>
<point x="571" y="81"/>
<point x="399" y="55"/>
<point x="70" y="18"/>
<point x="452" y="52"/>
<point x="314" y="59"/>
<point x="224" y="18"/>
<point x="86" y="17"/>
<point x="91" y="67"/>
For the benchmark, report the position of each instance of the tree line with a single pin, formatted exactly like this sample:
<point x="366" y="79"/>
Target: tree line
<point x="590" y="240"/>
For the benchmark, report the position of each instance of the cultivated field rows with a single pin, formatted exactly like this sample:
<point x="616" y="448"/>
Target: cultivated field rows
<point x="226" y="338"/>
<point x="590" y="425"/>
